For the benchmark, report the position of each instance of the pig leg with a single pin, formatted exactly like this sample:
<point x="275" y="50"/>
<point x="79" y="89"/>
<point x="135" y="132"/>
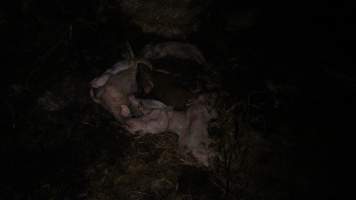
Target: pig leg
<point x="196" y="140"/>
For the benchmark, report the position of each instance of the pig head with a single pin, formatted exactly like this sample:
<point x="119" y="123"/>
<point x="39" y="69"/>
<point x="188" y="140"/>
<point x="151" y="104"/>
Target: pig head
<point x="113" y="88"/>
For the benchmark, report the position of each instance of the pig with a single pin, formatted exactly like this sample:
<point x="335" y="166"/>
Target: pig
<point x="113" y="88"/>
<point x="191" y="126"/>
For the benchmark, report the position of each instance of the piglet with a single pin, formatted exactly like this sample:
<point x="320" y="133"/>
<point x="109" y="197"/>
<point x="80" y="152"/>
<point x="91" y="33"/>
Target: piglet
<point x="191" y="126"/>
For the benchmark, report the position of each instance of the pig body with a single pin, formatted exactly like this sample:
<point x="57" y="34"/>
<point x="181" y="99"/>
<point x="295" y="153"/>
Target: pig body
<point x="191" y="126"/>
<point x="116" y="90"/>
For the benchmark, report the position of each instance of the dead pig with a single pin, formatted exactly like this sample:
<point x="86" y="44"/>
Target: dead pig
<point x="191" y="126"/>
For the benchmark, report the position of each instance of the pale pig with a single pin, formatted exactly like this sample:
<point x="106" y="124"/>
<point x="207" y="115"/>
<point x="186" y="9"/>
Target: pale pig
<point x="191" y="126"/>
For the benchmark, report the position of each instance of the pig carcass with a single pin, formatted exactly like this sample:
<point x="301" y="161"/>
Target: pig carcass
<point x="191" y="126"/>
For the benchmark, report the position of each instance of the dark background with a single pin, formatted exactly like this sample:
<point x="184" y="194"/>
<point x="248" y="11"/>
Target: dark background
<point x="309" y="45"/>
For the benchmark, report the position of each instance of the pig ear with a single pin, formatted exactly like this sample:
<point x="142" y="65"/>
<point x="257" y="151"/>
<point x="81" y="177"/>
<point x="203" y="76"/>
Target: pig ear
<point x="100" y="81"/>
<point x="144" y="80"/>
<point x="95" y="95"/>
<point x="125" y="111"/>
